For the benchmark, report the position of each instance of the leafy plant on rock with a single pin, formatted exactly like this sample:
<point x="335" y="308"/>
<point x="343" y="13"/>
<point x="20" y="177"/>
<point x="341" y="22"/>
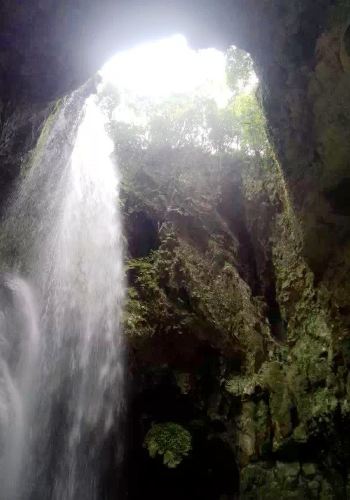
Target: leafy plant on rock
<point x="170" y="440"/>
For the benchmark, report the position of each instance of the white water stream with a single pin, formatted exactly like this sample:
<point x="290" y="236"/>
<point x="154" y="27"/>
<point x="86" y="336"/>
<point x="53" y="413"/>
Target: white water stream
<point x="61" y="361"/>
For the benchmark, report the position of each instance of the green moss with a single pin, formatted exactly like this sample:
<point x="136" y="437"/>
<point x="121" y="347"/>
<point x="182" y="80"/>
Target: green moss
<point x="136" y="321"/>
<point x="15" y="245"/>
<point x="147" y="309"/>
<point x="169" y="440"/>
<point x="262" y="420"/>
<point x="268" y="483"/>
<point x="220" y="295"/>
<point x="44" y="135"/>
<point x="336" y="150"/>
<point x="241" y="385"/>
<point x="309" y="361"/>
<point x="178" y="288"/>
<point x="309" y="469"/>
<point x="246" y="435"/>
<point x="323" y="404"/>
<point x="300" y="434"/>
<point x="183" y="381"/>
<point x="280" y="402"/>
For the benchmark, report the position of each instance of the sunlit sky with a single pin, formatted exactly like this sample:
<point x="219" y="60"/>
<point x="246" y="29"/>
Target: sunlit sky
<point x="159" y="69"/>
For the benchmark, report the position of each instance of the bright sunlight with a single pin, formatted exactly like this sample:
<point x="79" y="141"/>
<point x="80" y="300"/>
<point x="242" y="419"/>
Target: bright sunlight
<point x="169" y="66"/>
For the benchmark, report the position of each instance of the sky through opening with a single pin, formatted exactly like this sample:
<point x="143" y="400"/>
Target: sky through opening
<point x="157" y="70"/>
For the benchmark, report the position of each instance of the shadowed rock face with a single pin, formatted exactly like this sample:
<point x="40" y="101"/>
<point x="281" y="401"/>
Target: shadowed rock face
<point x="49" y="47"/>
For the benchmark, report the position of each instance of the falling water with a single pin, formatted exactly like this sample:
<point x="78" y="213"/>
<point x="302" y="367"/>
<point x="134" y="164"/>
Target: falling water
<point x="61" y="369"/>
<point x="19" y="325"/>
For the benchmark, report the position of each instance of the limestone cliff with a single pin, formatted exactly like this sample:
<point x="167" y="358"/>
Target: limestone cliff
<point x="218" y="277"/>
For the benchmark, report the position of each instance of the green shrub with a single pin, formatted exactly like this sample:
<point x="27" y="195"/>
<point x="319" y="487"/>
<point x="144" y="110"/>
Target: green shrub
<point x="170" y="440"/>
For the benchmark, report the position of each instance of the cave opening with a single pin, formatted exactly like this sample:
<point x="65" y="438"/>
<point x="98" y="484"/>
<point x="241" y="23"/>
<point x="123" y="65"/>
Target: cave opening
<point x="236" y="251"/>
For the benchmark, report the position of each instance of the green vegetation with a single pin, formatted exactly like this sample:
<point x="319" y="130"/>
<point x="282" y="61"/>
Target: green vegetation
<point x="229" y="256"/>
<point x="189" y="121"/>
<point x="170" y="440"/>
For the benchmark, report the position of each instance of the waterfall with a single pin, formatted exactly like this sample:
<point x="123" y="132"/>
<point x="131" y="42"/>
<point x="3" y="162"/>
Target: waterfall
<point x="19" y="325"/>
<point x="61" y="356"/>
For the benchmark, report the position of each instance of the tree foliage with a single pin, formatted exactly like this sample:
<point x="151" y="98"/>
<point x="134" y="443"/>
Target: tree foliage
<point x="239" y="69"/>
<point x="182" y="123"/>
<point x="190" y="123"/>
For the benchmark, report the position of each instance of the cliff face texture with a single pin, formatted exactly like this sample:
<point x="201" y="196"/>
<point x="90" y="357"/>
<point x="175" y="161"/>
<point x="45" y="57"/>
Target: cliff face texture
<point x="239" y="310"/>
<point x="230" y="334"/>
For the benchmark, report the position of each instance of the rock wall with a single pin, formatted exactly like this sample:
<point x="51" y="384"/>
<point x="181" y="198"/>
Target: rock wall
<point x="223" y="282"/>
